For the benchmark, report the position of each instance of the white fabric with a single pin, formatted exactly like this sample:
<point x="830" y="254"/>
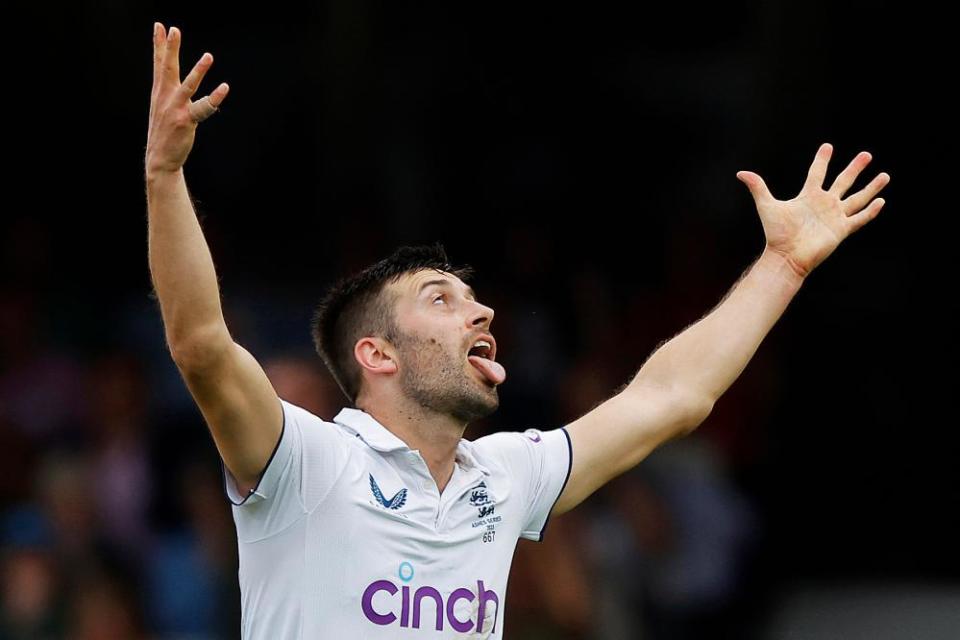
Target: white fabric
<point x="347" y="535"/>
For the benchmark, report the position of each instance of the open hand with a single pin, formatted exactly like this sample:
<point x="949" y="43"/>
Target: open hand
<point x="173" y="115"/>
<point x="806" y="229"/>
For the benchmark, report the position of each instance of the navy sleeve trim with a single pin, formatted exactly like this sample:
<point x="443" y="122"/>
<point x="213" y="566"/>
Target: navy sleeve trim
<point x="276" y="447"/>
<point x="569" y="469"/>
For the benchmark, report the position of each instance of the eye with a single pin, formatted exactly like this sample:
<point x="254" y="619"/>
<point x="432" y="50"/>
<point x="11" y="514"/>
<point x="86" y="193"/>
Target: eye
<point x="439" y="297"/>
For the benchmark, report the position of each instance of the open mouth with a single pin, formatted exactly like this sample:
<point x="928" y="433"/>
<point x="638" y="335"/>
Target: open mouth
<point x="481" y="355"/>
<point x="482" y="348"/>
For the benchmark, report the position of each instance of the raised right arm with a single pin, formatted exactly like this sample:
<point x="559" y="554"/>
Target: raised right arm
<point x="233" y="393"/>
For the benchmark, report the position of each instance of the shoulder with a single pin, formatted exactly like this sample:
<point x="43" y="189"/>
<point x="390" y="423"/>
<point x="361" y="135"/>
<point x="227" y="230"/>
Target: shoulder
<point x="295" y="413"/>
<point x="511" y="448"/>
<point x="517" y="439"/>
<point x="306" y="426"/>
<point x="507" y="440"/>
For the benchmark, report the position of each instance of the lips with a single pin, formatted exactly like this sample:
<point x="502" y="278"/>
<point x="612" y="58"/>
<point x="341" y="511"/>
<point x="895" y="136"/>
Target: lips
<point x="484" y="360"/>
<point x="485" y="345"/>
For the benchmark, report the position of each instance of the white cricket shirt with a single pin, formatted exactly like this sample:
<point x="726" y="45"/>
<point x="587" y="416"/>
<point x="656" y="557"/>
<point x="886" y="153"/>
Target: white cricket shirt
<point x="347" y="535"/>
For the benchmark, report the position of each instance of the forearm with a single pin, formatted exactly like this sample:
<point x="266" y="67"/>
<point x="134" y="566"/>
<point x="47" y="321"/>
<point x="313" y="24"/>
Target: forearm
<point x="181" y="266"/>
<point x="703" y="361"/>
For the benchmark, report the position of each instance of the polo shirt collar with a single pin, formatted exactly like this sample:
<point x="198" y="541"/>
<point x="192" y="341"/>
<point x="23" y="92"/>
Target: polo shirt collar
<point x="466" y="456"/>
<point x="373" y="433"/>
<point x="382" y="439"/>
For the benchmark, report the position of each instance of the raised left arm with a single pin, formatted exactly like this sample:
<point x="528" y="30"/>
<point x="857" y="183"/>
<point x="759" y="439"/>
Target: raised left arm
<point x="677" y="386"/>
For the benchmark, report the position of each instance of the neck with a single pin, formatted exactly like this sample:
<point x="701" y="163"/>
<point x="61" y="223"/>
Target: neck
<point x="434" y="435"/>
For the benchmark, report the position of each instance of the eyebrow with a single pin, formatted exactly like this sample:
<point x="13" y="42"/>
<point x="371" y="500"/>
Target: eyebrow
<point x="445" y="283"/>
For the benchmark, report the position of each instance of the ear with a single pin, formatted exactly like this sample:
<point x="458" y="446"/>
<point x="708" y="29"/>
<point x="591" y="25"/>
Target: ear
<point x="376" y="355"/>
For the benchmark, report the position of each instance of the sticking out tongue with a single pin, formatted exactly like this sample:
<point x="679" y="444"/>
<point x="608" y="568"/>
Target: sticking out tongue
<point x="494" y="371"/>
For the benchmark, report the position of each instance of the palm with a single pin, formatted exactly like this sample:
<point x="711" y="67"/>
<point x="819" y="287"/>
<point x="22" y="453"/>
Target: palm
<point x="806" y="229"/>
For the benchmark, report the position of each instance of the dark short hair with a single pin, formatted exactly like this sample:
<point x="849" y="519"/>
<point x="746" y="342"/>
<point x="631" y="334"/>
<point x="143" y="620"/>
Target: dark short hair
<point x="358" y="306"/>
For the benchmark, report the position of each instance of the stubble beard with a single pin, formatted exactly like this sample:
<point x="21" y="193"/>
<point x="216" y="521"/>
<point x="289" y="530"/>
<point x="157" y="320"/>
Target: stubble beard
<point x="438" y="381"/>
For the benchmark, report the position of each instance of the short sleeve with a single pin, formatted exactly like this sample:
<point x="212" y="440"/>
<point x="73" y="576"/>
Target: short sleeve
<point x="308" y="459"/>
<point x="539" y="463"/>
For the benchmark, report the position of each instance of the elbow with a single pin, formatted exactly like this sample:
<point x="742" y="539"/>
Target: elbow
<point x="201" y="350"/>
<point x="695" y="409"/>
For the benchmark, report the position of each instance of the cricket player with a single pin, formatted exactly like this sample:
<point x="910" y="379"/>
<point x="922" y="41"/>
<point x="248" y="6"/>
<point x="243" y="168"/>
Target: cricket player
<point x="386" y="522"/>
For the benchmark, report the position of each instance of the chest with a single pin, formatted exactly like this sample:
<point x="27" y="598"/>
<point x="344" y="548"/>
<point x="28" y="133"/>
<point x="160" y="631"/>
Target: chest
<point x="397" y="503"/>
<point x="411" y="556"/>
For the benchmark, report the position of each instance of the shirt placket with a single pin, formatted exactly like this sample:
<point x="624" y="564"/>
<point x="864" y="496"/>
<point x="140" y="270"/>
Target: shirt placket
<point x="459" y="481"/>
<point x="459" y="484"/>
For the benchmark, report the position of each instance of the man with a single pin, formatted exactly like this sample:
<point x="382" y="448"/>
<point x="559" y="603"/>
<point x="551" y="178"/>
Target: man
<point x="386" y="518"/>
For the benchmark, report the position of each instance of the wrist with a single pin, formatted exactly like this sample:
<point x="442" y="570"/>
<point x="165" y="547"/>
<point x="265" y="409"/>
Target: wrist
<point x="783" y="267"/>
<point x="157" y="174"/>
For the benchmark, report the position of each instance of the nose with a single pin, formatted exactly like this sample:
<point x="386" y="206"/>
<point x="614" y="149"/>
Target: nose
<point x="480" y="315"/>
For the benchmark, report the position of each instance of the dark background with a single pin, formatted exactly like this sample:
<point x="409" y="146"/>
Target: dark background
<point x="583" y="160"/>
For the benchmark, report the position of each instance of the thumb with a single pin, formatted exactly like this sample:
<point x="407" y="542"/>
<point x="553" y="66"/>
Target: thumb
<point x="757" y="186"/>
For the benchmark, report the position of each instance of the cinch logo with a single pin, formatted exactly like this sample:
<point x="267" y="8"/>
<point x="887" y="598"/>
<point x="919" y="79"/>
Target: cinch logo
<point x="387" y="617"/>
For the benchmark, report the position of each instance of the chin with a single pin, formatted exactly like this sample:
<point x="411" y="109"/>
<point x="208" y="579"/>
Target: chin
<point x="480" y="405"/>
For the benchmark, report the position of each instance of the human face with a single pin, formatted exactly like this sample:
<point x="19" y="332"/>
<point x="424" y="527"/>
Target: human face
<point x="439" y="319"/>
